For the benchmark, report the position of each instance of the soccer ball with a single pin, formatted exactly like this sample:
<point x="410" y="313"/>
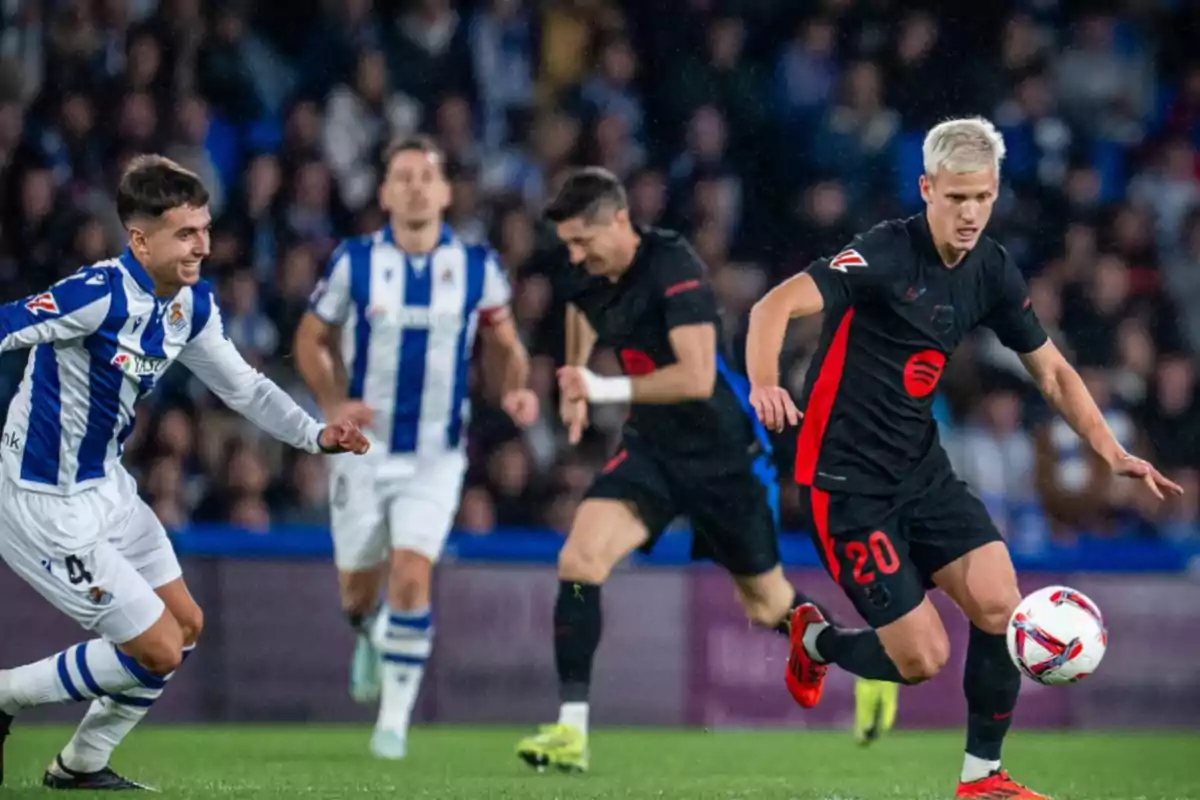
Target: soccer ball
<point x="1057" y="636"/>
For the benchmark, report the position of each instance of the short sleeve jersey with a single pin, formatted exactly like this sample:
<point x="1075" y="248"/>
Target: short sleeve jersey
<point x="665" y="287"/>
<point x="894" y="313"/>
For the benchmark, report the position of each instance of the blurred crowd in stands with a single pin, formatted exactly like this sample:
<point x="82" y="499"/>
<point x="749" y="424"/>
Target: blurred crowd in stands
<point x="769" y="131"/>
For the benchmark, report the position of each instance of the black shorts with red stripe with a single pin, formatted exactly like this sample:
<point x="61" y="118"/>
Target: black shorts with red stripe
<point x="732" y="501"/>
<point x="884" y="550"/>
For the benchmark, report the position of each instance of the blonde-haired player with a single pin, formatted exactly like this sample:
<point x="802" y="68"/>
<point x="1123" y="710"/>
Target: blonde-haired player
<point x="890" y="518"/>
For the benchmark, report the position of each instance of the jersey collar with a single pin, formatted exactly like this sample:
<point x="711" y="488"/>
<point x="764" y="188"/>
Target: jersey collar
<point x="135" y="268"/>
<point x="390" y="237"/>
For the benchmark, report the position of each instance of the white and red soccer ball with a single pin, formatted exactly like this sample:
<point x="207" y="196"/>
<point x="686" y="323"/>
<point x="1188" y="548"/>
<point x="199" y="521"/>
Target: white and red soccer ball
<point x="1057" y="636"/>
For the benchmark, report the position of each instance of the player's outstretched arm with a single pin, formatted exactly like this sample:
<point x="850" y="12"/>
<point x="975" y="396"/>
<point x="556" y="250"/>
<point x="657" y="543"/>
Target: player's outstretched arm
<point x="214" y="360"/>
<point x="70" y="309"/>
<point x="692" y="377"/>
<point x="1067" y="393"/>
<point x="798" y="296"/>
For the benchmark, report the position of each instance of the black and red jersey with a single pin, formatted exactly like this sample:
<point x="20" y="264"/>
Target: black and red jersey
<point x="894" y="313"/>
<point x="666" y="286"/>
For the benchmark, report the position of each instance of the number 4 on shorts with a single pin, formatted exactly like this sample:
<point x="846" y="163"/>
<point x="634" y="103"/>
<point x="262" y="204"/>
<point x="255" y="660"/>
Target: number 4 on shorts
<point x="76" y="572"/>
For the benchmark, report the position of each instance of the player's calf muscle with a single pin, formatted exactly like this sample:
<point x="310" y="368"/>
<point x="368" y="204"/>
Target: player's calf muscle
<point x="359" y="591"/>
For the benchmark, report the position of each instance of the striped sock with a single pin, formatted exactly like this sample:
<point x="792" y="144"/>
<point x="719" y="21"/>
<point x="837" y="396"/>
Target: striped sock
<point x="404" y="640"/>
<point x="106" y="724"/>
<point x="84" y="671"/>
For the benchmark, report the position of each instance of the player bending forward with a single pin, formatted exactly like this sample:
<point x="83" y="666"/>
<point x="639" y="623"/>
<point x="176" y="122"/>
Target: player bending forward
<point x="889" y="517"/>
<point x="387" y="345"/>
<point x="691" y="446"/>
<point x="71" y="522"/>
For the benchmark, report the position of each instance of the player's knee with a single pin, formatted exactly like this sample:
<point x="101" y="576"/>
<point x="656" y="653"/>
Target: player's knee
<point x="161" y="656"/>
<point x="191" y="624"/>
<point x="358" y="598"/>
<point x="577" y="561"/>
<point x="993" y="613"/>
<point x="919" y="664"/>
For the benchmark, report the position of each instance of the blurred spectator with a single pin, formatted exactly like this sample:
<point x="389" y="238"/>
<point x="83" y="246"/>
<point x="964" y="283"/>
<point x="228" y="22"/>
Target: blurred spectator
<point x="360" y="117"/>
<point x="807" y="73"/>
<point x="723" y="78"/>
<point x="855" y="140"/>
<point x="246" y="325"/>
<point x="1182" y="278"/>
<point x="502" y="47"/>
<point x="1106" y="92"/>
<point x="1170" y="189"/>
<point x="429" y="53"/>
<point x="610" y="92"/>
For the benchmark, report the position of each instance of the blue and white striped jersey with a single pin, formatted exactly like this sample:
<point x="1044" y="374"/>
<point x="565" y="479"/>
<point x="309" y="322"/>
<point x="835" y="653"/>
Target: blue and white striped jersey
<point x="408" y="330"/>
<point x="100" y="339"/>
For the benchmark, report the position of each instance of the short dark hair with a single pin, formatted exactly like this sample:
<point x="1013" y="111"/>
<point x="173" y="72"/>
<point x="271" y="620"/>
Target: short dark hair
<point x="584" y="193"/>
<point x="415" y="144"/>
<point x="153" y="185"/>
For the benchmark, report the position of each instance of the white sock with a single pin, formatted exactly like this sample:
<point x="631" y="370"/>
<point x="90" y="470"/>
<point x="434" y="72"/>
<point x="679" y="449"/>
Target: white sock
<point x="81" y="672"/>
<point x="975" y="768"/>
<point x="575" y="715"/>
<point x="404" y="640"/>
<point x="106" y="724"/>
<point x="810" y="640"/>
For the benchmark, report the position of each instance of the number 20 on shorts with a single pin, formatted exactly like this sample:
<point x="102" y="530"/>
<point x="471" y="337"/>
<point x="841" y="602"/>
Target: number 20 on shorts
<point x="878" y="550"/>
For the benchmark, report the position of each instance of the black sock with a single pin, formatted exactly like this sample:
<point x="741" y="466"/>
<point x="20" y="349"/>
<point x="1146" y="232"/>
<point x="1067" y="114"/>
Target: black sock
<point x="859" y="652"/>
<point x="991" y="683"/>
<point x="576" y="637"/>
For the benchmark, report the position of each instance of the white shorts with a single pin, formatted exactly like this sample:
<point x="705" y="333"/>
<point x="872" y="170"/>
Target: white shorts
<point x="97" y="556"/>
<point x="383" y="504"/>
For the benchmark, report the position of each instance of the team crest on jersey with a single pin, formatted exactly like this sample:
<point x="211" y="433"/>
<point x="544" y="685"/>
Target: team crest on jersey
<point x="847" y="259"/>
<point x="138" y="366"/>
<point x="99" y="596"/>
<point x="43" y="302"/>
<point x="177" y="320"/>
<point x="448" y="275"/>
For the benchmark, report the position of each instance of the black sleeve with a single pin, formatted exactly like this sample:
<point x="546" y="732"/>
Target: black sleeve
<point x="687" y="296"/>
<point x="849" y="276"/>
<point x="1012" y="317"/>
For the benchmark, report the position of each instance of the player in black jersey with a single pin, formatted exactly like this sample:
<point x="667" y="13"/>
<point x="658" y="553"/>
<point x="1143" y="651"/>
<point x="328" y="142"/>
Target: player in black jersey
<point x="890" y="519"/>
<point x="692" y="445"/>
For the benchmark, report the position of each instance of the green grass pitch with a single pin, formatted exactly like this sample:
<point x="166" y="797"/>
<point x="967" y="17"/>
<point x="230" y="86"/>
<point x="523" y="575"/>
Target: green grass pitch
<point x="246" y="761"/>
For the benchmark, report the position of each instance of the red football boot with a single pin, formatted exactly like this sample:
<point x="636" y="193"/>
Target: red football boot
<point x="997" y="786"/>
<point x="805" y="676"/>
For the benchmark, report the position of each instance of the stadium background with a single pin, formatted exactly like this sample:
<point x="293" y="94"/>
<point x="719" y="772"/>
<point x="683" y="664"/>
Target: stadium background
<point x="769" y="131"/>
